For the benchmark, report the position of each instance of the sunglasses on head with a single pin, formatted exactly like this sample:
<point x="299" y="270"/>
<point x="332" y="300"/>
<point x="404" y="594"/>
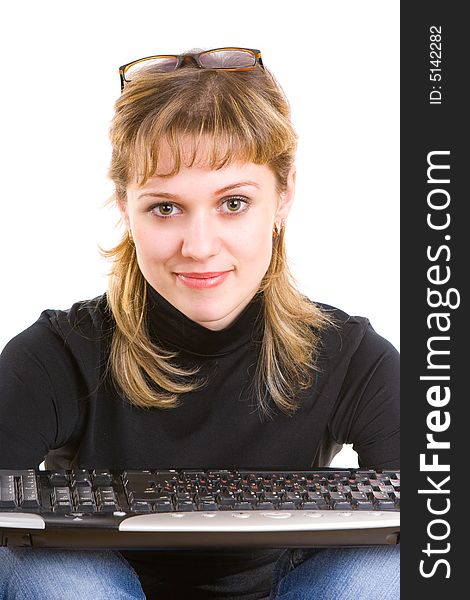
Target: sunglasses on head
<point x="226" y="59"/>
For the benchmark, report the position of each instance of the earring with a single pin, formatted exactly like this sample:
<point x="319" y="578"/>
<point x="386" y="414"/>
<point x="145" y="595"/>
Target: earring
<point x="130" y="238"/>
<point x="278" y="227"/>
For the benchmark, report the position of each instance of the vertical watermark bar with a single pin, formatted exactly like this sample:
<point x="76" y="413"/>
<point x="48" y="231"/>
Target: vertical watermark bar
<point x="435" y="247"/>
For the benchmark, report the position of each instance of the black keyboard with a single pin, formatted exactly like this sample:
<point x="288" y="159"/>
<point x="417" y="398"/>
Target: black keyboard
<point x="179" y="508"/>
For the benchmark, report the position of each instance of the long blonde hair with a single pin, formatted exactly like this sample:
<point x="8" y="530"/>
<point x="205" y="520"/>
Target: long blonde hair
<point x="245" y="116"/>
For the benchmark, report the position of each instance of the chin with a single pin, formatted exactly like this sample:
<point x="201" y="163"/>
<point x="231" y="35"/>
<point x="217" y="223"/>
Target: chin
<point x="210" y="315"/>
<point x="207" y="315"/>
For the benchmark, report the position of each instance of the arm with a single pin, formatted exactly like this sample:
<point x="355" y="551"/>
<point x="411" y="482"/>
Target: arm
<point x="368" y="413"/>
<point x="39" y="388"/>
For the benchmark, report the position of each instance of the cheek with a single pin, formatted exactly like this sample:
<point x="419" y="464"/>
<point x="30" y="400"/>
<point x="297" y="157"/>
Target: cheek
<point x="254" y="243"/>
<point x="155" y="248"/>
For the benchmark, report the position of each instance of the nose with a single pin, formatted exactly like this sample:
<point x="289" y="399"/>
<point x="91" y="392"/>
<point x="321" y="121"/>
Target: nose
<point x="201" y="239"/>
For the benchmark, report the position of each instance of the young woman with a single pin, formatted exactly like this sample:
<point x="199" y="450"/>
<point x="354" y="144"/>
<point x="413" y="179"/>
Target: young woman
<point x="202" y="354"/>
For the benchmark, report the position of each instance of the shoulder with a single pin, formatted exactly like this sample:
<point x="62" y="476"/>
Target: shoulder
<point x="90" y="318"/>
<point x="85" y="322"/>
<point x="348" y="333"/>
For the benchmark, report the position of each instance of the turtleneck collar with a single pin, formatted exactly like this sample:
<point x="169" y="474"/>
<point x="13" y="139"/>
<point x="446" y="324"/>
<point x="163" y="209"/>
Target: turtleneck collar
<point x="169" y="325"/>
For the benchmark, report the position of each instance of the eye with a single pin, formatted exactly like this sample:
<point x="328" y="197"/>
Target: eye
<point x="164" y="209"/>
<point x="235" y="204"/>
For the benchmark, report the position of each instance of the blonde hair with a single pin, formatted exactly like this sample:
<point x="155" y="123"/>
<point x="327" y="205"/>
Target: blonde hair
<point x="245" y="116"/>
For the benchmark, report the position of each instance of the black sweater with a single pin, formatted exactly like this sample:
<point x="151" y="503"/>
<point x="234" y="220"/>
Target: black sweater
<point x="55" y="399"/>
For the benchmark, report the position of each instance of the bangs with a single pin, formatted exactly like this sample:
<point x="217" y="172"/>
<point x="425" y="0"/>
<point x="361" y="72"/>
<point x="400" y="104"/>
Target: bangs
<point x="163" y="154"/>
<point x="191" y="117"/>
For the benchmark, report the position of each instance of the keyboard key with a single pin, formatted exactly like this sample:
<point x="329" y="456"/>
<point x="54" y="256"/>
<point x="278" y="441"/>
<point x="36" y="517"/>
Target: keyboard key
<point x="106" y="499"/>
<point x="386" y="505"/>
<point x="61" y="500"/>
<point x="361" y="501"/>
<point x="341" y="505"/>
<point x="362" y="504"/>
<point x="185" y="506"/>
<point x="263" y="505"/>
<point x="243" y="506"/>
<point x="7" y="492"/>
<point x="58" y="478"/>
<point x="84" y="499"/>
<point x="207" y="505"/>
<point x="292" y="498"/>
<point x="273" y="498"/>
<point x="81" y="478"/>
<point x="86" y="507"/>
<point x="108" y="507"/>
<point x="311" y="506"/>
<point x="248" y="497"/>
<point x="164" y="506"/>
<point x="226" y="503"/>
<point x="101" y="477"/>
<point x="28" y="491"/>
<point x="146" y="495"/>
<point x="378" y="496"/>
<point x="144" y="507"/>
<point x="315" y="497"/>
<point x="288" y="506"/>
<point x="382" y="501"/>
<point x="387" y="488"/>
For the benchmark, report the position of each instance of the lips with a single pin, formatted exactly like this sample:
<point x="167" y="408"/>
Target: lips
<point x="199" y="280"/>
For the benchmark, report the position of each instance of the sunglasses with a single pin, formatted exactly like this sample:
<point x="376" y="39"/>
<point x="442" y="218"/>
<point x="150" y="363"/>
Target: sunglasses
<point x="226" y="59"/>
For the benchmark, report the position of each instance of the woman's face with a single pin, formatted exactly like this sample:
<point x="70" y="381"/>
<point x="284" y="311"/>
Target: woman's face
<point x="203" y="237"/>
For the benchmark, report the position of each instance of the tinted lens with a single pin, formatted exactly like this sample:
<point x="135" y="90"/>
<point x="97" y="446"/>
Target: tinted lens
<point x="155" y="64"/>
<point x="227" y="59"/>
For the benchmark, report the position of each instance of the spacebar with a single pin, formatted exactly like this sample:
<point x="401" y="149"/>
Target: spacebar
<point x="299" y="520"/>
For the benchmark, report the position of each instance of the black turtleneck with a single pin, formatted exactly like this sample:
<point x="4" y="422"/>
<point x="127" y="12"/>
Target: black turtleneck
<point x="55" y="398"/>
<point x="173" y="329"/>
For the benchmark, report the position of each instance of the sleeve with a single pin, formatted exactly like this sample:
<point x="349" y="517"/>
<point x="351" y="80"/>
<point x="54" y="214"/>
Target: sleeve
<point x="39" y="390"/>
<point x="368" y="412"/>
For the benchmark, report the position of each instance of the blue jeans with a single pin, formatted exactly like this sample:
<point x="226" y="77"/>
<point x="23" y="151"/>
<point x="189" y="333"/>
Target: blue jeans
<point x="299" y="574"/>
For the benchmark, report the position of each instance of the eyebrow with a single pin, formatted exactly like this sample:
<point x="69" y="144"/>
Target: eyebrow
<point x="226" y="188"/>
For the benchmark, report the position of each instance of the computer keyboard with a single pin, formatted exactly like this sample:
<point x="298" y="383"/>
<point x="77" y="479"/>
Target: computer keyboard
<point x="179" y="508"/>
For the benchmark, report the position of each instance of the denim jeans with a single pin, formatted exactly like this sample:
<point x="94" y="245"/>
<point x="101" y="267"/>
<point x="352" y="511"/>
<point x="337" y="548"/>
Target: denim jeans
<point x="299" y="574"/>
<point x="338" y="574"/>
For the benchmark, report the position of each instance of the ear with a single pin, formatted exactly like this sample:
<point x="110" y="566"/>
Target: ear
<point x="122" y="206"/>
<point x="287" y="197"/>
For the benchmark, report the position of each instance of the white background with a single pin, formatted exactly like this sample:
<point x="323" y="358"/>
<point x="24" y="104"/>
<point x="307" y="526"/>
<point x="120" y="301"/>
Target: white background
<point x="338" y="64"/>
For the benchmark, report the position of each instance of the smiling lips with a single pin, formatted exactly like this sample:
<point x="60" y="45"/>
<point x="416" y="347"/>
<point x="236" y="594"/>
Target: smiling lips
<point x="202" y="280"/>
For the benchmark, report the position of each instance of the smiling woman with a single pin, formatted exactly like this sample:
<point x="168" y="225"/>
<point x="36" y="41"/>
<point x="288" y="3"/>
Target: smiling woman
<point x="203" y="353"/>
<point x="191" y="136"/>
